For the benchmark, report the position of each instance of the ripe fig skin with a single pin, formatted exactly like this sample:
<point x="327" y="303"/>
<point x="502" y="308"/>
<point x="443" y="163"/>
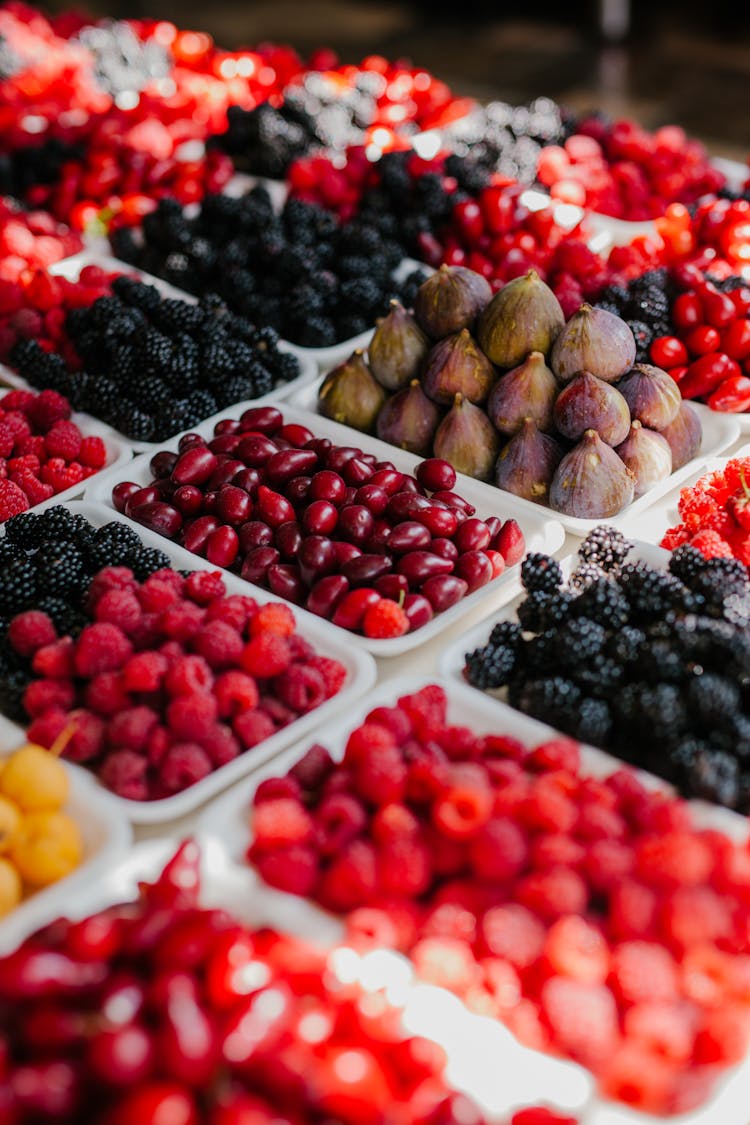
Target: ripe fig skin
<point x="528" y="391"/>
<point x="648" y="456"/>
<point x="652" y="395"/>
<point x="451" y="299"/>
<point x="350" y="395"/>
<point x="397" y="349"/>
<point x="457" y="365"/>
<point x="409" y="420"/>
<point x="526" y="465"/>
<point x="684" y="435"/>
<point x="467" y="440"/>
<point x="524" y="316"/>
<point x="588" y="403"/>
<point x="591" y="482"/>
<point x="593" y="340"/>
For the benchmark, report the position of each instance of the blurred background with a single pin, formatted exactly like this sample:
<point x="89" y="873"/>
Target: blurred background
<point x="673" y="61"/>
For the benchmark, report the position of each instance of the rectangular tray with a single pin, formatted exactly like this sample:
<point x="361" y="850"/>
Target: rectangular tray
<point x="228" y="820"/>
<point x="543" y="532"/>
<point x="719" y="432"/>
<point x="106" y="835"/>
<point x="328" y="641"/>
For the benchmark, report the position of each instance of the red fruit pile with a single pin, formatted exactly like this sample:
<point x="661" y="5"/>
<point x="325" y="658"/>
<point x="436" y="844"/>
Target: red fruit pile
<point x="715" y="514"/>
<point x="34" y="307"/>
<point x="620" y="169"/>
<point x="31" y="239"/>
<point x="172" y="680"/>
<point x="329" y="527"/>
<point x="165" y="1011"/>
<point x="42" y="452"/>
<point x="591" y="916"/>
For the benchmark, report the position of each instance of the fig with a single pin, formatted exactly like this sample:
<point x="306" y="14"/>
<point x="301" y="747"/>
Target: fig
<point x="684" y="435"/>
<point x="587" y="403"/>
<point x="591" y="482"/>
<point x="593" y="340"/>
<point x="467" y="439"/>
<point x="647" y="455"/>
<point x="409" y="419"/>
<point x="527" y="464"/>
<point x="397" y="348"/>
<point x="451" y="299"/>
<point x="528" y="391"/>
<point x="350" y="395"/>
<point x="524" y="316"/>
<point x="455" y="366"/>
<point x="653" y="396"/>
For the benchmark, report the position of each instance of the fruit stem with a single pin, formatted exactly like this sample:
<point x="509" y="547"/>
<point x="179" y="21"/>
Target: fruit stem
<point x="62" y="740"/>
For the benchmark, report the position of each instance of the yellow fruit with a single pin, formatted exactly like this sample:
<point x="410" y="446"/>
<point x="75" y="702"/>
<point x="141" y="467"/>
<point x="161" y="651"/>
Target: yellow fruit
<point x="35" y="779"/>
<point x="10" y="887"/>
<point x="48" y="847"/>
<point x="10" y="823"/>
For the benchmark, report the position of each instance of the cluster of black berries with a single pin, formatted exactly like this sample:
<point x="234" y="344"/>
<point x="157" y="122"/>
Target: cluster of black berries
<point x="313" y="279"/>
<point x="121" y="62"/>
<point x="265" y="140"/>
<point x="508" y="138"/>
<point x="21" y="169"/>
<point x="652" y="665"/>
<point x="155" y="366"/>
<point x="341" y="114"/>
<point x="645" y="304"/>
<point x="47" y="562"/>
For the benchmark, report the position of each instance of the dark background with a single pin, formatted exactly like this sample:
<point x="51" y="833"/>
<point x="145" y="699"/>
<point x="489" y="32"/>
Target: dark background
<point x="686" y="63"/>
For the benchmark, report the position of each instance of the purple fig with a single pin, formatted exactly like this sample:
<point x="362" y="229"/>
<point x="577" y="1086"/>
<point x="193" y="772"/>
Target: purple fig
<point x="647" y="455"/>
<point x="591" y="482"/>
<point x="528" y="391"/>
<point x="527" y="464"/>
<point x="587" y="403"/>
<point x="467" y="440"/>
<point x="451" y="299"/>
<point x="397" y="348"/>
<point x="350" y="395"/>
<point x="593" y="340"/>
<point x="524" y="316"/>
<point x="456" y="366"/>
<point x="409" y="419"/>
<point x="653" y="396"/>
<point x="684" y="435"/>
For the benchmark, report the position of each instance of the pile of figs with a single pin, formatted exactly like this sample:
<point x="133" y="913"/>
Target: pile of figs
<point x="502" y="388"/>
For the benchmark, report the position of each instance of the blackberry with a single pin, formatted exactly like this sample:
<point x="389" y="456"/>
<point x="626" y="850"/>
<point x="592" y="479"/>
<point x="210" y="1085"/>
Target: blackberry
<point x="713" y="698"/>
<point x="114" y="545"/>
<point x="18" y="589"/>
<point x="644" y="338"/>
<point x="603" y="602"/>
<point x="687" y="563"/>
<point x="655" y="712"/>
<point x="24" y="529"/>
<point x="490" y="667"/>
<point x="13" y="684"/>
<point x="67" y="619"/>
<point x="506" y="633"/>
<point x="552" y="699"/>
<point x="541" y="655"/>
<point x="594" y="721"/>
<point x="10" y="551"/>
<point x="134" y="423"/>
<point x="540" y="572"/>
<point x="714" y="775"/>
<point x="60" y="569"/>
<point x="145" y="560"/>
<point x="601" y="678"/>
<point x="580" y="640"/>
<point x="606" y="547"/>
<point x="659" y="659"/>
<point x="652" y="593"/>
<point x="626" y="646"/>
<point x="541" y="611"/>
<point x="584" y="575"/>
<point x="175" y="316"/>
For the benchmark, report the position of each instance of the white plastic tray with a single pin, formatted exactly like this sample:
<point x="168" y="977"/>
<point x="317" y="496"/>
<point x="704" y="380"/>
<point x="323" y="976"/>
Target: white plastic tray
<point x="328" y="641"/>
<point x="230" y="819"/>
<point x="719" y="432"/>
<point x="542" y="531"/>
<point x="119" y="451"/>
<point x="106" y="836"/>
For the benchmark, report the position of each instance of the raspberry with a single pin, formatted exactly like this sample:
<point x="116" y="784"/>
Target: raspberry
<point x="192" y="716"/>
<point x="385" y="619"/>
<point x="302" y="651"/>
<point x="695" y="916"/>
<point x="512" y="932"/>
<point x="394" y="720"/>
<point x="632" y="910"/>
<point x="63" y="439"/>
<point x="462" y="810"/>
<point x="28" y="324"/>
<point x="426" y="708"/>
<point x="109" y="578"/>
<point x="642" y="971"/>
<point x="272" y="787"/>
<point x="606" y="864"/>
<point x="157" y="745"/>
<point x="35" y="490"/>
<point x="187" y="675"/>
<point x="498" y="852"/>
<point x="332" y="672"/>
<point x="30" y="631"/>
<point x="539" y="1116"/>
<point x="49" y="407"/>
<point x="313" y="768"/>
<point x="404" y="867"/>
<point x="22" y="465"/>
<point x="132" y="727"/>
<point x="638" y="1077"/>
<point x="392" y="926"/>
<point x="552" y="893"/>
<point x="351" y="879"/>
<point x="235" y="610"/>
<point x="32" y="446"/>
<point x="235" y="692"/>
<point x="144" y="672"/>
<point x="393" y="822"/>
<point x="7" y="441"/>
<point x="87" y="739"/>
<point x="547" y="808"/>
<point x="43" y="695"/>
<point x="220" y="744"/>
<point x="445" y="962"/>
<point x="101" y="648"/>
<point x="156" y="594"/>
<point x="582" y="1017"/>
<point x="12" y="500"/>
<point x="182" y="620"/>
<point x="711" y="545"/>
<point x="120" y="608"/>
<point x="576" y="949"/>
<point x="273" y="618"/>
<point x="47" y="728"/>
<point x="93" y="452"/>
<point x="266" y="656"/>
<point x="294" y="869"/>
<point x="556" y="754"/>
<point x="369" y="740"/>
<point x="278" y="712"/>
<point x="673" y="859"/>
<point x="281" y="822"/>
<point x="106" y="694"/>
<point x="124" y="772"/>
<point x="555" y="850"/>
<point x="219" y="644"/>
<point x="503" y="746"/>
<point x="252" y="727"/>
<point x="183" y="765"/>
<point x="724" y="1036"/>
<point x="204" y="586"/>
<point x="18" y="424"/>
<point x="55" y="661"/>
<point x="339" y="819"/>
<point x="667" y="1029"/>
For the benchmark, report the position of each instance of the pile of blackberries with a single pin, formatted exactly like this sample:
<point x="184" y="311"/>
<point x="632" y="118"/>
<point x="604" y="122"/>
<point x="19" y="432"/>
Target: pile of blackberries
<point x="645" y="304"/>
<point x="265" y="140"/>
